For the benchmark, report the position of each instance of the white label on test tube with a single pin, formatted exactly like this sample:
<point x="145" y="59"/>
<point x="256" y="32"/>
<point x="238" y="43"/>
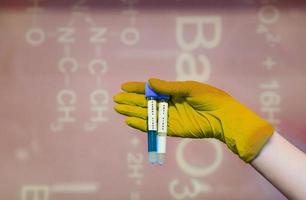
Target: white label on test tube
<point x="152" y="119"/>
<point x="162" y="127"/>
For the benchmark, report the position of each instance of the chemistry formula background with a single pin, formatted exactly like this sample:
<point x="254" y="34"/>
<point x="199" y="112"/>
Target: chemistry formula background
<point x="62" y="61"/>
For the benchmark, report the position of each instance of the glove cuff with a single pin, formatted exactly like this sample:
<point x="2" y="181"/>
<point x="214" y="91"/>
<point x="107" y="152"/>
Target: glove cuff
<point x="251" y="137"/>
<point x="254" y="142"/>
<point x="245" y="133"/>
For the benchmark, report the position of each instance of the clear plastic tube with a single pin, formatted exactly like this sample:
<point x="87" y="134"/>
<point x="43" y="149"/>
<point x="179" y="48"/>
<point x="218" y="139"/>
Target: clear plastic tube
<point x="162" y="130"/>
<point x="152" y="129"/>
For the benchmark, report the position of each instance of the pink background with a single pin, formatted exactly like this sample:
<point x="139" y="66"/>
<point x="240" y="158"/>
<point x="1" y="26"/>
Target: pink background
<point x="44" y="157"/>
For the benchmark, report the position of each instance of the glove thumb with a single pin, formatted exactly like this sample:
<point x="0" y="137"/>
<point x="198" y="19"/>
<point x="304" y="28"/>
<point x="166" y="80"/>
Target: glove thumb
<point x="172" y="88"/>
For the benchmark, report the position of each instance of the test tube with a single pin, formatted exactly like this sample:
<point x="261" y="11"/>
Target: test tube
<point x="152" y="123"/>
<point x="162" y="128"/>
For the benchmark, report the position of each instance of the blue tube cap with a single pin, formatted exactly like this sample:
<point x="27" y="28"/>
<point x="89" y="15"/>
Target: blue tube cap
<point x="151" y="93"/>
<point x="163" y="97"/>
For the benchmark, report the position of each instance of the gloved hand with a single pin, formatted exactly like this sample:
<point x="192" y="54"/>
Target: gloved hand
<point x="198" y="110"/>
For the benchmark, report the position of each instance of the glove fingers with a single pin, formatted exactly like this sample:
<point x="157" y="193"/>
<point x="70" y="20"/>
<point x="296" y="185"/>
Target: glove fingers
<point x="137" y="123"/>
<point x="131" y="99"/>
<point x="134" y="87"/>
<point x="131" y="111"/>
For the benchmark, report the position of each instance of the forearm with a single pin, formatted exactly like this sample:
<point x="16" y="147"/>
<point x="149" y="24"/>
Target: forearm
<point x="284" y="166"/>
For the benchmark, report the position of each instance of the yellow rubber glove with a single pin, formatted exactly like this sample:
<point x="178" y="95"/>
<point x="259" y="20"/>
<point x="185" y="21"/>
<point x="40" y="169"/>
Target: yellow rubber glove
<point x="198" y="110"/>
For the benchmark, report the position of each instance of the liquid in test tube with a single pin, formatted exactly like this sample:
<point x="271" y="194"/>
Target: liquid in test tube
<point x="162" y="128"/>
<point x="152" y="123"/>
